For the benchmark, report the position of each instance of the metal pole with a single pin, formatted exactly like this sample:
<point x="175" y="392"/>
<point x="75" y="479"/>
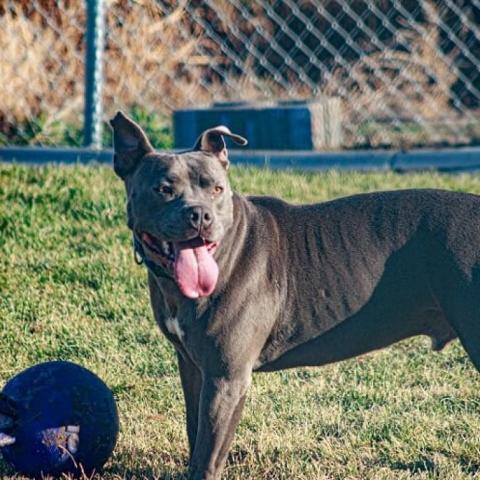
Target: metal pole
<point x="94" y="73"/>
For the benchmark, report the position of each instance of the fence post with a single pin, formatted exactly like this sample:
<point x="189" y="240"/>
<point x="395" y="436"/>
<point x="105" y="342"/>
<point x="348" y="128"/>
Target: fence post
<point x="94" y="73"/>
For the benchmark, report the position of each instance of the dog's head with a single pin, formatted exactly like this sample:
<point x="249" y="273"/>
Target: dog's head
<point x="179" y="205"/>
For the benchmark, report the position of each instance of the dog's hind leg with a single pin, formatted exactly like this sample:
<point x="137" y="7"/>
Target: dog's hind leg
<point x="459" y="297"/>
<point x="466" y="323"/>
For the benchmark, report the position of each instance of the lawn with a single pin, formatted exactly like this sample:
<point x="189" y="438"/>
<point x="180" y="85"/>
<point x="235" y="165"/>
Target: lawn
<point x="71" y="290"/>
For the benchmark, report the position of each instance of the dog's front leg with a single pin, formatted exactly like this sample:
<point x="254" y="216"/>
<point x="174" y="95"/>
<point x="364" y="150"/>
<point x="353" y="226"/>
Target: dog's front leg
<point x="191" y="378"/>
<point x="221" y="404"/>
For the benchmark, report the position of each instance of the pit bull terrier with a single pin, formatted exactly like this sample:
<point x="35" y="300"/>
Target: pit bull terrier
<point x="253" y="284"/>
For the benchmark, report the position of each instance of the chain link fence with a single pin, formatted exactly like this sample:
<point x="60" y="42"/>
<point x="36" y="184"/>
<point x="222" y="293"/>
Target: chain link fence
<point x="407" y="73"/>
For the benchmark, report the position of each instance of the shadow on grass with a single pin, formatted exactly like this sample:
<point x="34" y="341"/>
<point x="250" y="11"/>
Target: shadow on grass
<point x="468" y="466"/>
<point x="417" y="466"/>
<point x="177" y="471"/>
<point x="174" y="467"/>
<point x="149" y="473"/>
<point x="426" y="465"/>
<point x="117" y="470"/>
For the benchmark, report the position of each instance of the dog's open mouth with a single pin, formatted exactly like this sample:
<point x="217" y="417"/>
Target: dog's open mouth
<point x="190" y="262"/>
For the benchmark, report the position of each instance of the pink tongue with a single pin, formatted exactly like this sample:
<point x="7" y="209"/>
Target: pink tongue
<point x="196" y="271"/>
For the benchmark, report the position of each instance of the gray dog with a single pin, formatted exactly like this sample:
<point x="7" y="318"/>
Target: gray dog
<point x="244" y="284"/>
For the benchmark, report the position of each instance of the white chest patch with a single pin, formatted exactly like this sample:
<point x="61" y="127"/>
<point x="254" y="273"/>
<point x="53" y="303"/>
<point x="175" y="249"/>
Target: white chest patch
<point x="174" y="327"/>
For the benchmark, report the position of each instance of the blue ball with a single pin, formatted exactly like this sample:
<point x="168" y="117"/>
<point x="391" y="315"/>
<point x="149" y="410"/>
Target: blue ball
<point x="67" y="420"/>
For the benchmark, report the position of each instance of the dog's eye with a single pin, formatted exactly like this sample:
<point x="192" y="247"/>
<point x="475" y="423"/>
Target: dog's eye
<point x="217" y="190"/>
<point x="164" y="190"/>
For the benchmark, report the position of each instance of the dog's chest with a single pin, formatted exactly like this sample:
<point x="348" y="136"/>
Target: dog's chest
<point x="172" y="324"/>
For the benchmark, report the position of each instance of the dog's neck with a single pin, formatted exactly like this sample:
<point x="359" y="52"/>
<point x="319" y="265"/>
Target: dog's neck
<point x="233" y="243"/>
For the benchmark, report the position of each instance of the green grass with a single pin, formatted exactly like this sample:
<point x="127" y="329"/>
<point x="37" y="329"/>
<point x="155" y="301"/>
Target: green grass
<point x="71" y="290"/>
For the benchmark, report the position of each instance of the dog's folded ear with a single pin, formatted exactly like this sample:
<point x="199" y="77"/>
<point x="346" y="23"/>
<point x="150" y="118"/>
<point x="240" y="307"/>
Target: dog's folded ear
<point x="130" y="144"/>
<point x="212" y="141"/>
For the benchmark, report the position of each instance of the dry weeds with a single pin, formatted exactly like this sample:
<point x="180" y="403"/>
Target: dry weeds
<point x="160" y="56"/>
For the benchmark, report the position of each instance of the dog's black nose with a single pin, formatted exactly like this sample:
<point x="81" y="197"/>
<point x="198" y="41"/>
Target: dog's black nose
<point x="200" y="217"/>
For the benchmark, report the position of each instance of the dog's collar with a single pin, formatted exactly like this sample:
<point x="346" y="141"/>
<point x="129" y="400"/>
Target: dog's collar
<point x="141" y="258"/>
